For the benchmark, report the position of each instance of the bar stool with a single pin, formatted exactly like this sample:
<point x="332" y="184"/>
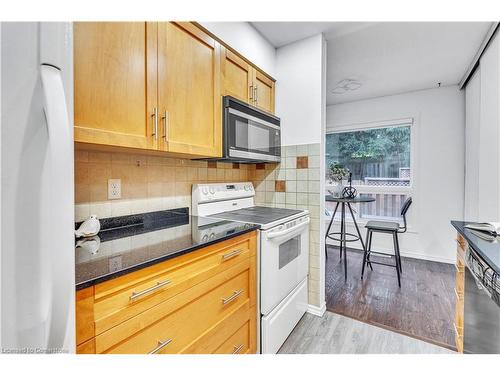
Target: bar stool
<point x="387" y="227"/>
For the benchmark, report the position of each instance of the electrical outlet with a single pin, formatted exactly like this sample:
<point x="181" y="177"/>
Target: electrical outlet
<point x="114" y="188"/>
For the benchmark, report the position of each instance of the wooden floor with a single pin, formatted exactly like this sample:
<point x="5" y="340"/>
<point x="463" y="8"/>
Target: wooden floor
<point x="424" y="307"/>
<point x="337" y="334"/>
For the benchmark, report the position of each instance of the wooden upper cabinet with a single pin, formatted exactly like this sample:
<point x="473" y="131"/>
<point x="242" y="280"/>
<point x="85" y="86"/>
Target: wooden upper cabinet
<point x="264" y="91"/>
<point x="243" y="81"/>
<point x="115" y="68"/>
<point x="189" y="93"/>
<point x="237" y="76"/>
<point x="158" y="86"/>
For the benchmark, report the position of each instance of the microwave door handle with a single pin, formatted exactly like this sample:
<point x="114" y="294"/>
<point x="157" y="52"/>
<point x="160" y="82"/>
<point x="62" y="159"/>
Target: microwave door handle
<point x="287" y="231"/>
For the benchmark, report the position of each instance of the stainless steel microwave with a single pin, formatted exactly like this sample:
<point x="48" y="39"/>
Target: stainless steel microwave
<point x="249" y="134"/>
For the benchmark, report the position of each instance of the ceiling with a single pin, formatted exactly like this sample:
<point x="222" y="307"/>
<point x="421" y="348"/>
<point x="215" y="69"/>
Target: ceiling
<point x="283" y="33"/>
<point x="386" y="58"/>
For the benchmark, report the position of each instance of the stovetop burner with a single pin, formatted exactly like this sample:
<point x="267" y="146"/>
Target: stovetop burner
<point x="257" y="214"/>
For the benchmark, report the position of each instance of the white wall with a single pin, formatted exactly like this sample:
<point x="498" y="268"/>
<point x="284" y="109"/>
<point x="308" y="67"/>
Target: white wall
<point x="487" y="153"/>
<point x="245" y="39"/>
<point x="472" y="132"/>
<point x="300" y="79"/>
<point x="438" y="171"/>
<point x="301" y="105"/>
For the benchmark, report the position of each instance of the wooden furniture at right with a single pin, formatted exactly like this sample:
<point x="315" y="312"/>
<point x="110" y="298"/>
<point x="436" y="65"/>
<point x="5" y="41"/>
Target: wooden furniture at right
<point x="459" y="293"/>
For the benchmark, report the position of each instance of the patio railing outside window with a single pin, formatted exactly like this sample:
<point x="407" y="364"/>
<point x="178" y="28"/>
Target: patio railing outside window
<point x="379" y="159"/>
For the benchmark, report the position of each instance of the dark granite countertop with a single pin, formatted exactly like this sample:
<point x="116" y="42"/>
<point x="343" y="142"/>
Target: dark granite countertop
<point x="132" y="242"/>
<point x="489" y="251"/>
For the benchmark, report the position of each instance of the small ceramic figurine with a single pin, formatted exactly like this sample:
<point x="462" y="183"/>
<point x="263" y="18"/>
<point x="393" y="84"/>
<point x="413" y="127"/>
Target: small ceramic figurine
<point x="88" y="228"/>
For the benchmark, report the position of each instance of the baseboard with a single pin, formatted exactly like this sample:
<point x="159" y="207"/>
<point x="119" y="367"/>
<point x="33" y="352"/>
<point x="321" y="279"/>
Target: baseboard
<point x="427" y="257"/>
<point x="315" y="310"/>
<point x="408" y="254"/>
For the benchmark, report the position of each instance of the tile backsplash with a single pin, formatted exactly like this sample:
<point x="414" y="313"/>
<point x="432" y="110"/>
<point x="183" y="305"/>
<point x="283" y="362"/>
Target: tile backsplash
<point x="153" y="183"/>
<point x="148" y="183"/>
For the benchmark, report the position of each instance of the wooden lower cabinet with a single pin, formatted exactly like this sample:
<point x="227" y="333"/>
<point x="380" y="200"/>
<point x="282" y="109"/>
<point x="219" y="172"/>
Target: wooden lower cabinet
<point x="208" y="305"/>
<point x="239" y="342"/>
<point x="459" y="294"/>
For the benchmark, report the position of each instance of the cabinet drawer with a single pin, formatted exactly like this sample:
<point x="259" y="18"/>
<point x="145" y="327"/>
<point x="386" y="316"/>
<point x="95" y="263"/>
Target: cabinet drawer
<point x="127" y="296"/>
<point x="183" y="326"/>
<point x="459" y="319"/>
<point x="460" y="263"/>
<point x="462" y="243"/>
<point x="459" y="343"/>
<point x="238" y="343"/>
<point x="459" y="287"/>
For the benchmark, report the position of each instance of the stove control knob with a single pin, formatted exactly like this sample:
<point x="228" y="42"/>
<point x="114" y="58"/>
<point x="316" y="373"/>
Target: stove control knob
<point x="247" y="187"/>
<point x="212" y="190"/>
<point x="204" y="190"/>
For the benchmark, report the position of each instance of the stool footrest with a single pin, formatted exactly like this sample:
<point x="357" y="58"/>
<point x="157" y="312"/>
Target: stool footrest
<point x="380" y="263"/>
<point x="382" y="254"/>
<point x="353" y="237"/>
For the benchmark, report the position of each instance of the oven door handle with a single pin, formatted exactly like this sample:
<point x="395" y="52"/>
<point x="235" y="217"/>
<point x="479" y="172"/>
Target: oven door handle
<point x="289" y="230"/>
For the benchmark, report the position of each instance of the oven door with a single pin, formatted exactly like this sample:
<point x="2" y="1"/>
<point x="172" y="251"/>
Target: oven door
<point x="251" y="135"/>
<point x="284" y="261"/>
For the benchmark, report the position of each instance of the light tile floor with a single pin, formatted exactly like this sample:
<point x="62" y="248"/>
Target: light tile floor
<point x="336" y="334"/>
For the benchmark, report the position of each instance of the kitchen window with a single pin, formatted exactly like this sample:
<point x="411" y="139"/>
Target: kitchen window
<point x="379" y="156"/>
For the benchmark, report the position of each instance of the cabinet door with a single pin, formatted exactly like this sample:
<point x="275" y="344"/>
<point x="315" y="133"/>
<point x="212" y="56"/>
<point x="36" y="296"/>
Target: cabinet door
<point x="237" y="76"/>
<point x="115" y="83"/>
<point x="189" y="90"/>
<point x="264" y="93"/>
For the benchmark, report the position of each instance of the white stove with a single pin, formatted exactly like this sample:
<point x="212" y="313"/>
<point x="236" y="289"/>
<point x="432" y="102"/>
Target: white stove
<point x="283" y="256"/>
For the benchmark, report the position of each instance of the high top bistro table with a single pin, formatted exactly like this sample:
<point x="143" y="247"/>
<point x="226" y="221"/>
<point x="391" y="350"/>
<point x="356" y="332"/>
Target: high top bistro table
<point x="343" y="239"/>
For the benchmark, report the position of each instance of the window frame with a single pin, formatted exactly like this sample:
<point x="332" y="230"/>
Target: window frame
<point x="365" y="189"/>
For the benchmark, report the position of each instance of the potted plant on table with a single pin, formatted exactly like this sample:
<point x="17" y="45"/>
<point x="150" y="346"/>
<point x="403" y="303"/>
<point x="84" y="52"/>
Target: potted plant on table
<point x="337" y="174"/>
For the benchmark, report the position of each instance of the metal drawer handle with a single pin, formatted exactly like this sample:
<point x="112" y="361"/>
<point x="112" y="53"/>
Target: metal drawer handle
<point x="237" y="349"/>
<point x="233" y="296"/>
<point x="165" y="127"/>
<point x="231" y="254"/>
<point x="135" y="295"/>
<point x="155" y="122"/>
<point x="161" y="345"/>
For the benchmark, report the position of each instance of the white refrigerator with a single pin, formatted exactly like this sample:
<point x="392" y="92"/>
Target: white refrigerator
<point x="37" y="287"/>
